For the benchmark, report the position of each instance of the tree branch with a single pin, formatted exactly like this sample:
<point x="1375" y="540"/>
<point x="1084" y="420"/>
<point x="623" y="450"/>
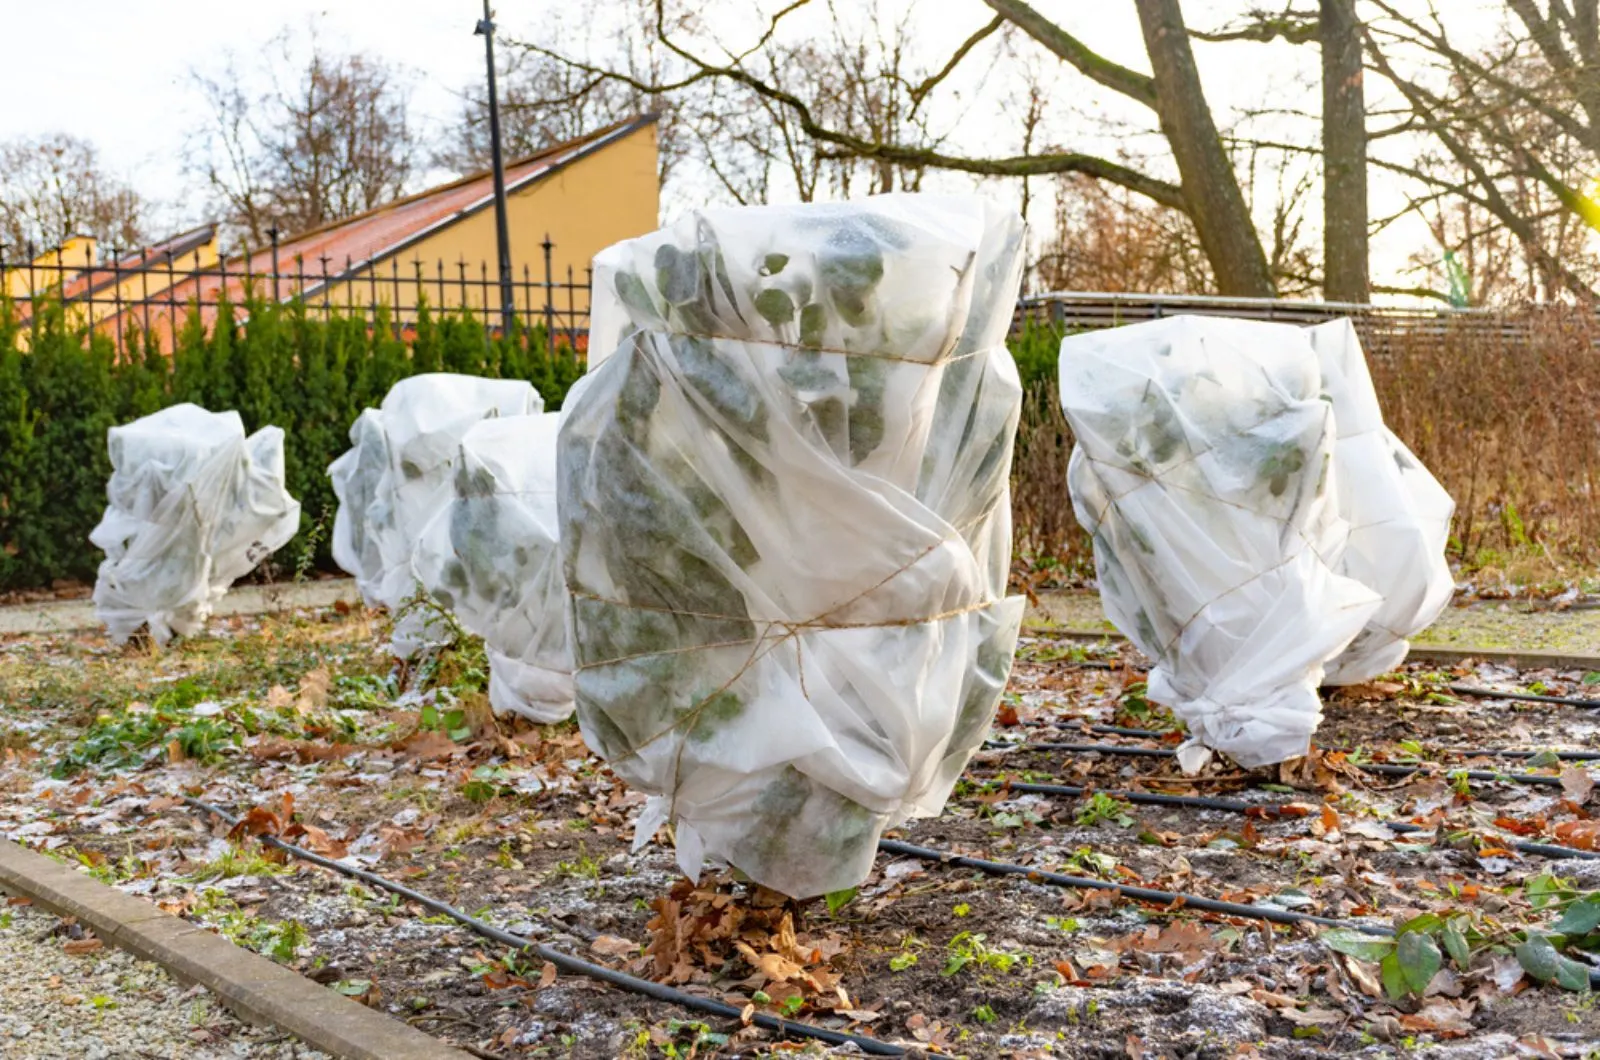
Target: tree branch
<point x="1164" y="192"/>
<point x="1131" y="83"/>
<point x="920" y="91"/>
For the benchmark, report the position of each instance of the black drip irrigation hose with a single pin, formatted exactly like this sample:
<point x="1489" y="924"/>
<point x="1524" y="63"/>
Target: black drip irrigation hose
<point x="565" y="961"/>
<point x="1171" y="899"/>
<point x="1459" y="752"/>
<point x="1527" y="697"/>
<point x="1268" y="810"/>
<point x="1370" y="767"/>
<point x="1460" y="690"/>
<point x="1140" y="894"/>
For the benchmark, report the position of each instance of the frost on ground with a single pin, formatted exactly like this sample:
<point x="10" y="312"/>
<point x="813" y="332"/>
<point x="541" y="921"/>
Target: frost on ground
<point x="64" y="994"/>
<point x="301" y="721"/>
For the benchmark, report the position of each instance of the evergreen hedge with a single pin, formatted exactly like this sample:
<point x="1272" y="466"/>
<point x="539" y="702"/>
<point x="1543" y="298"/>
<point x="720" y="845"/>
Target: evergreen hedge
<point x="62" y="387"/>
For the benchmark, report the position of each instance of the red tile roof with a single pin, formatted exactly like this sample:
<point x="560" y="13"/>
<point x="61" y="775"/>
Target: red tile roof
<point x="327" y="254"/>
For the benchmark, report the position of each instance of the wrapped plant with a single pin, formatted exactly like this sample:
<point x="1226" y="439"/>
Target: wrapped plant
<point x="785" y="523"/>
<point x="1399" y="514"/>
<point x="490" y="556"/>
<point x="193" y="505"/>
<point x="1204" y="471"/>
<point x="400" y="471"/>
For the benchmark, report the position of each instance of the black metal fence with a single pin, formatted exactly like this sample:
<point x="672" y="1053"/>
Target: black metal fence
<point x="152" y="292"/>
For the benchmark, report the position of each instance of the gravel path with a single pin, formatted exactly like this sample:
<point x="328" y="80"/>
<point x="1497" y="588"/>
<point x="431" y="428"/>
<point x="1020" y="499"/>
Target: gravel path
<point x="109" y="1005"/>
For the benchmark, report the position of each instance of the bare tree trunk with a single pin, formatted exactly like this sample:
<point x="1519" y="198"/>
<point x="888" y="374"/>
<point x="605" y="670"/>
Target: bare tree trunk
<point x="1210" y="186"/>
<point x="1344" y="154"/>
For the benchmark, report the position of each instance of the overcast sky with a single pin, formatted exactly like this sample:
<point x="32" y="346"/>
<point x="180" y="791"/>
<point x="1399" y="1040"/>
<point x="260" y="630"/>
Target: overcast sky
<point x="118" y="73"/>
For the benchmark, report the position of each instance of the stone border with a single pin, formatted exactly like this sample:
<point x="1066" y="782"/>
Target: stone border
<point x="252" y="986"/>
<point x="1520" y="660"/>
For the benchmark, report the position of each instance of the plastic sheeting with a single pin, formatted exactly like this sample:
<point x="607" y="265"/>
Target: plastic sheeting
<point x="491" y="557"/>
<point x="193" y="505"/>
<point x="785" y="521"/>
<point x="400" y="471"/>
<point x="1205" y="473"/>
<point x="1399" y="514"/>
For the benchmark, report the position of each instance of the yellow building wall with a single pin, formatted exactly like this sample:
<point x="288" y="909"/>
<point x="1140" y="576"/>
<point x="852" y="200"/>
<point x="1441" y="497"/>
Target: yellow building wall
<point x="608" y="196"/>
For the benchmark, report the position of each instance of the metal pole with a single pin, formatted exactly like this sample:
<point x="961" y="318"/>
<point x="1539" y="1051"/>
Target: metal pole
<point x="485" y="29"/>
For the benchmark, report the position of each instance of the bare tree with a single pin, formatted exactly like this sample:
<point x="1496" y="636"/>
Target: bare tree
<point x="336" y="141"/>
<point x="54" y="186"/>
<point x="1518" y="121"/>
<point x="1108" y="238"/>
<point x="1345" y="268"/>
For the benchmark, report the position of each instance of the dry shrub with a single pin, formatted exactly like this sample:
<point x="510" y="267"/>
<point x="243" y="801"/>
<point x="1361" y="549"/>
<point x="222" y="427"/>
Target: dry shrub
<point x="1045" y="532"/>
<point x="1507" y="417"/>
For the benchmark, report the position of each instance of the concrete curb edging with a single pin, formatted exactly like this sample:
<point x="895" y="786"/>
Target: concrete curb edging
<point x="252" y="986"/>
<point x="1517" y="659"/>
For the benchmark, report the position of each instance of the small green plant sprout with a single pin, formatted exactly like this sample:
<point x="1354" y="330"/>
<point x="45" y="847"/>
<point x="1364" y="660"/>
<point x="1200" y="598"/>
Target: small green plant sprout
<point x="584" y="867"/>
<point x="971" y="949"/>
<point x="1591" y="679"/>
<point x="961" y="909"/>
<point x="984" y="1014"/>
<point x="1067" y="924"/>
<point x="1103" y="807"/>
<point x="902" y="960"/>
<point x="837" y="900"/>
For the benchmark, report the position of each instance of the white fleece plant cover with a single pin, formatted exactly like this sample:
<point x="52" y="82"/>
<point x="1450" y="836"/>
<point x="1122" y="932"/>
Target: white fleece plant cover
<point x="490" y="555"/>
<point x="192" y="505"/>
<point x="1204" y="470"/>
<point x="1399" y="514"/>
<point x="400" y="472"/>
<point x="785" y="523"/>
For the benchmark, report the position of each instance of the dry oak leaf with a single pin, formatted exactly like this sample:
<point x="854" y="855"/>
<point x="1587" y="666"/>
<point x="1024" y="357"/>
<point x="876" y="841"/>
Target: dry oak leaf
<point x="1577" y="783"/>
<point x="82" y="947"/>
<point x="611" y="946"/>
<point x="1585" y="835"/>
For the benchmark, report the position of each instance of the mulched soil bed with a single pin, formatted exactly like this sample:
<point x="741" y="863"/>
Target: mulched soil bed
<point x="302" y="718"/>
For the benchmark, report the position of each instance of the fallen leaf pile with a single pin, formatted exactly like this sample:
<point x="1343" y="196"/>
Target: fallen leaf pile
<point x="712" y="933"/>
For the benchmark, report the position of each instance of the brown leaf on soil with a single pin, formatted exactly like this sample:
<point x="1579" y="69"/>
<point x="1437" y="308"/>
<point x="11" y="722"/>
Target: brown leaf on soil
<point x="303" y="751"/>
<point x="259" y="821"/>
<point x="427" y="745"/>
<point x="82" y="947"/>
<point x="1135" y="1047"/>
<point x="611" y="946"/>
<point x="314" y="689"/>
<point x="1577" y="783"/>
<point x="316" y="840"/>
<point x="1585" y="835"/>
<point x="1185" y="937"/>
<point x="278" y="698"/>
<point x="1365" y="976"/>
<point x="1442" y="1016"/>
<point x="1534" y="826"/>
<point x="547" y="975"/>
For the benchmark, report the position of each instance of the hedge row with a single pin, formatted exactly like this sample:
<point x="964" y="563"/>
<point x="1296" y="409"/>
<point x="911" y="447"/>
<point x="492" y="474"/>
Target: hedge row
<point x="60" y="389"/>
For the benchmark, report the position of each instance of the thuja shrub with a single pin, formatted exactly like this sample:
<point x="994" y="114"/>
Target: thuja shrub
<point x="309" y="373"/>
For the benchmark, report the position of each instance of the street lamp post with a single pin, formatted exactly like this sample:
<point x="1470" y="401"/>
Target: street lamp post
<point x="485" y="29"/>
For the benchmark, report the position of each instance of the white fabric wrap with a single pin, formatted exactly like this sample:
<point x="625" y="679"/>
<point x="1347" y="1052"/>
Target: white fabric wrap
<point x="1399" y="514"/>
<point x="491" y="556"/>
<point x="193" y="505"/>
<point x="1205" y="472"/>
<point x="400" y="472"/>
<point x="785" y="522"/>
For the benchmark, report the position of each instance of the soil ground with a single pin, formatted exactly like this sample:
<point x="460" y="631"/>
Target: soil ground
<point x="404" y="771"/>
